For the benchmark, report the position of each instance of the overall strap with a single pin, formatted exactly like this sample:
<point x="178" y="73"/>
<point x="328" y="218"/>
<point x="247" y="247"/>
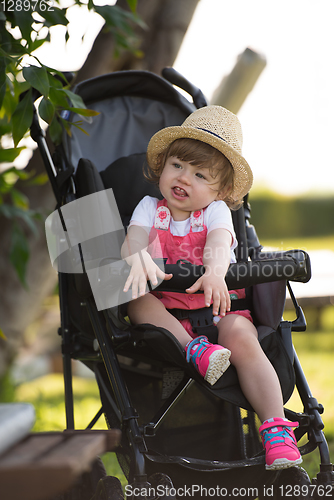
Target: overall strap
<point x="163" y="216"/>
<point x="202" y="319"/>
<point x="197" y="218"/>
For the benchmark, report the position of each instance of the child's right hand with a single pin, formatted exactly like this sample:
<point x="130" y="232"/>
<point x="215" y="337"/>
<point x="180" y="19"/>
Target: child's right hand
<point x="143" y="268"/>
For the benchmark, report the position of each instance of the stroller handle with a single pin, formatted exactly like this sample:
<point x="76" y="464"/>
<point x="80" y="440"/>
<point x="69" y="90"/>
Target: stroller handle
<point x="175" y="78"/>
<point x="293" y="265"/>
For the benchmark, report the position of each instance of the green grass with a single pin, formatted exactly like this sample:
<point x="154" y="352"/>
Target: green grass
<point x="307" y="244"/>
<point x="315" y="351"/>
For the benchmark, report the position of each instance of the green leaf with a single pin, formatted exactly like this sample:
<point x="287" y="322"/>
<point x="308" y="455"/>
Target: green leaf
<point x="9" y="155"/>
<point x="21" y="174"/>
<point x="54" y="82"/>
<point x="46" y="110"/>
<point x="24" y="20"/>
<point x="19" y="199"/>
<point x="75" y="99"/>
<point x="9" y="102"/>
<point x="133" y="5"/>
<point x="27" y="216"/>
<point x="84" y="112"/>
<point x="56" y="131"/>
<point x="110" y="14"/>
<point x="36" y="44"/>
<point x="67" y="126"/>
<point x="5" y="126"/>
<point x="76" y="124"/>
<point x="54" y="17"/>
<point x="19" y="253"/>
<point x="58" y="97"/>
<point x="38" y="78"/>
<point x="2" y="335"/>
<point x="2" y="79"/>
<point x="39" y="180"/>
<point x="22" y="117"/>
<point x="59" y="82"/>
<point x="10" y="45"/>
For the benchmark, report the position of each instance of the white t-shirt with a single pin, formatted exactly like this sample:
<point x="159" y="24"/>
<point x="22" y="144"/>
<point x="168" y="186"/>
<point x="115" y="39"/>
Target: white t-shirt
<point x="216" y="216"/>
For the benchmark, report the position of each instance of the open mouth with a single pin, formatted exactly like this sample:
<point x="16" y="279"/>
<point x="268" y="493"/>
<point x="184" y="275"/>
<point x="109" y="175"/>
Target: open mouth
<point x="179" y="192"/>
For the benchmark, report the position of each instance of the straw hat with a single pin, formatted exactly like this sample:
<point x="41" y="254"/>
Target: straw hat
<point x="213" y="125"/>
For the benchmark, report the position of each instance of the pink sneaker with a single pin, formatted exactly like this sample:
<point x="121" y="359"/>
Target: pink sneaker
<point x="210" y="360"/>
<point x="279" y="441"/>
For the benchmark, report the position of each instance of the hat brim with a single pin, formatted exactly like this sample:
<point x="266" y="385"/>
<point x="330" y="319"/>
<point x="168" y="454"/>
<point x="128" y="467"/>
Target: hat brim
<point x="243" y="178"/>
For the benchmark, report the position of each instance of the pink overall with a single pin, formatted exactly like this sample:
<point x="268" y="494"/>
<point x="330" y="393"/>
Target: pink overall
<point x="163" y="244"/>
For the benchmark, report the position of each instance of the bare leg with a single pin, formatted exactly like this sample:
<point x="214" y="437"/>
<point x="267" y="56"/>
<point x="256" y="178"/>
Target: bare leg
<point x="257" y="377"/>
<point x="149" y="309"/>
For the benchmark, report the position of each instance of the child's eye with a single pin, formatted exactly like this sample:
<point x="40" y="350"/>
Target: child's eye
<point x="176" y="165"/>
<point x="201" y="176"/>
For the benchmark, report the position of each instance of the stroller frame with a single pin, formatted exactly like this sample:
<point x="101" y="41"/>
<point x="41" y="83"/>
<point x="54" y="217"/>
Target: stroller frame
<point x="101" y="353"/>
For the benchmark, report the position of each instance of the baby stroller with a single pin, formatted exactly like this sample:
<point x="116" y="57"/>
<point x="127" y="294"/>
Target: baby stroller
<point x="180" y="436"/>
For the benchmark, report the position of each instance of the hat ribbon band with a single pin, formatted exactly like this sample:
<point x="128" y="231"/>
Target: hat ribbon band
<point x="212" y="133"/>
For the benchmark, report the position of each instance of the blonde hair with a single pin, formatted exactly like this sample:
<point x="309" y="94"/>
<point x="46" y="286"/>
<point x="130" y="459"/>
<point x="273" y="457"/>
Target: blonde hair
<point x="199" y="153"/>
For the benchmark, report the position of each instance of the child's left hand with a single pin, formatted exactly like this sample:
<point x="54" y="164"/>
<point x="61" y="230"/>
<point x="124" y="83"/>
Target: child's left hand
<point x="215" y="290"/>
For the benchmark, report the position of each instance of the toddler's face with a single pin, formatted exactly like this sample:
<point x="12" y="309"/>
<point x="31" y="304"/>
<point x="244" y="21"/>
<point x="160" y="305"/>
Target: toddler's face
<point x="187" y="187"/>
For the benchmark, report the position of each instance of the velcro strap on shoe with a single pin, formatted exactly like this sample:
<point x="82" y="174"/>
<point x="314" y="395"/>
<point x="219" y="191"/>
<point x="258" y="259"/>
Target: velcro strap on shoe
<point x="277" y="422"/>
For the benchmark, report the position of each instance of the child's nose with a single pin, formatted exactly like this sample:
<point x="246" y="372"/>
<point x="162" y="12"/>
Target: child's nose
<point x="185" y="177"/>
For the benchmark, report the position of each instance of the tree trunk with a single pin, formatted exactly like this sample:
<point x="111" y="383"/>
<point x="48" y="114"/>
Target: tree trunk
<point x="167" y="22"/>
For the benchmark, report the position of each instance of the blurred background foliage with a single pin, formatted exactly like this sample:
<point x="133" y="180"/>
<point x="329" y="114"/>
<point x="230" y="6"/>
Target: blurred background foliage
<point x="277" y="216"/>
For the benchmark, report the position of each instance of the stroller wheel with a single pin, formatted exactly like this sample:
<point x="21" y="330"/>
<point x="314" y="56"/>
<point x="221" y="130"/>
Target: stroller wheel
<point x="109" y="488"/>
<point x="292" y="482"/>
<point x="162" y="484"/>
<point x="86" y="486"/>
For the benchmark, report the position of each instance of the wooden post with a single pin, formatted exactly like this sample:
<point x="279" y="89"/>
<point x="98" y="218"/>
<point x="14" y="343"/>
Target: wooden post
<point x="235" y="87"/>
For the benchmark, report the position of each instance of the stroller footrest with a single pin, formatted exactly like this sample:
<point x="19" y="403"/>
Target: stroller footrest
<point x="206" y="465"/>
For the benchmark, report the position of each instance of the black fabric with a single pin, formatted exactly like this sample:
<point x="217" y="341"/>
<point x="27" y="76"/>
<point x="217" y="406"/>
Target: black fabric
<point x="227" y="387"/>
<point x="125" y="177"/>
<point x="87" y="179"/>
<point x="201" y="321"/>
<point x="205" y="314"/>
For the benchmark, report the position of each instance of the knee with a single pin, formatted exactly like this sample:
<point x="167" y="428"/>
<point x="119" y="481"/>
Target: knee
<point x="241" y="339"/>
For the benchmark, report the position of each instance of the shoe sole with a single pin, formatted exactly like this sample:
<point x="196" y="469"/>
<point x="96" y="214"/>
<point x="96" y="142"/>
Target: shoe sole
<point x="218" y="364"/>
<point x="283" y="463"/>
